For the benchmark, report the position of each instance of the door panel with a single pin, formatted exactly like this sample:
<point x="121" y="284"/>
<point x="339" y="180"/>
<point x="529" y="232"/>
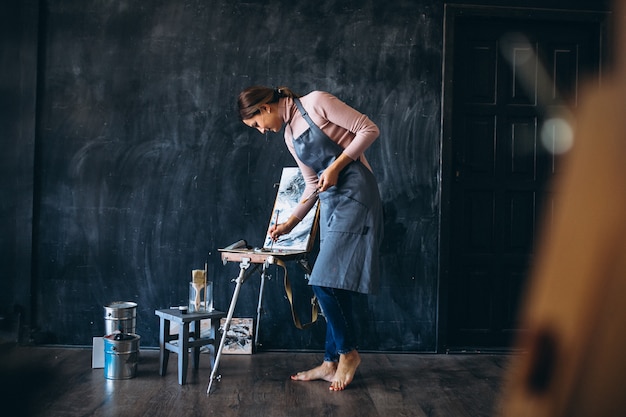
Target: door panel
<point x="500" y="170"/>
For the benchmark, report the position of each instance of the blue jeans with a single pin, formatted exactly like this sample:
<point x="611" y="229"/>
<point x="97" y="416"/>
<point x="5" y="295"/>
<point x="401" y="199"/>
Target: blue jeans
<point x="336" y="306"/>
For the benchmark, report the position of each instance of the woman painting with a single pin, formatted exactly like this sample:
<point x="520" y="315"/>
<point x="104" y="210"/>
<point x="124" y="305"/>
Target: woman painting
<point x="328" y="138"/>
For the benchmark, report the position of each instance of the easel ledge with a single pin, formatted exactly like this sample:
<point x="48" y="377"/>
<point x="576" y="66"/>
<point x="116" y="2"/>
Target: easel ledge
<point x="257" y="257"/>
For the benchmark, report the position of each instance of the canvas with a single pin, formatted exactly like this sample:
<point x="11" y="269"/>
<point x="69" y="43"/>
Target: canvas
<point x="239" y="336"/>
<point x="287" y="198"/>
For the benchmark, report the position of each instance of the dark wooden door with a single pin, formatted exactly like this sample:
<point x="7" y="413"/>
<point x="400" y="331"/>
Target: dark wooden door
<point x="504" y="87"/>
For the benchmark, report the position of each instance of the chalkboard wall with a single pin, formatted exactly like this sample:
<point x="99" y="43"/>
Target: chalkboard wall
<point x="142" y="168"/>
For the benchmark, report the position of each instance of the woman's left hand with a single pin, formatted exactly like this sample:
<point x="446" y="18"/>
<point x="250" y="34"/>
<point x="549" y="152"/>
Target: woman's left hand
<point x="330" y="176"/>
<point x="328" y="179"/>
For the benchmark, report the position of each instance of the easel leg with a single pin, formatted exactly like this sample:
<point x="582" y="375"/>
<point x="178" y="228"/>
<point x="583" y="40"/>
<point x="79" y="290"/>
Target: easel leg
<point x="259" y="308"/>
<point x="245" y="263"/>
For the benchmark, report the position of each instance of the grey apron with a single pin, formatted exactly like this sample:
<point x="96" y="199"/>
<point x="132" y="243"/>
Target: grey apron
<point x="350" y="216"/>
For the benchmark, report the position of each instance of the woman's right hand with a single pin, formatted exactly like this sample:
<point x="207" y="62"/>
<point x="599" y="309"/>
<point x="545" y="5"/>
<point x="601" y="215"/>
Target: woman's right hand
<point x="277" y="230"/>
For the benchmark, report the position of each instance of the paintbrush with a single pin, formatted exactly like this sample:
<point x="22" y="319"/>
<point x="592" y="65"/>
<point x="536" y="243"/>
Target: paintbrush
<point x="275" y="224"/>
<point x="198" y="282"/>
<point x="310" y="196"/>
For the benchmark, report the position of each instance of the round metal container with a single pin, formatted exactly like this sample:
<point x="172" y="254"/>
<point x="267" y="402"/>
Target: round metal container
<point x="121" y="355"/>
<point x="120" y="316"/>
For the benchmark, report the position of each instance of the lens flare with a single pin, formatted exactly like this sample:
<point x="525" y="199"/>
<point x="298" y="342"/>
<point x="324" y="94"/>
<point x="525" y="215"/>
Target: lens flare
<point x="557" y="135"/>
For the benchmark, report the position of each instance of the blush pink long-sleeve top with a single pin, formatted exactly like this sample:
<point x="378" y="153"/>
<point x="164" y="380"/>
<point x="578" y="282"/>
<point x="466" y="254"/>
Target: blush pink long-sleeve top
<point x="351" y="130"/>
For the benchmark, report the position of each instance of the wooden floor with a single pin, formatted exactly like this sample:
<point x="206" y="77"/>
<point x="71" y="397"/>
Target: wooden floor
<point x="60" y="382"/>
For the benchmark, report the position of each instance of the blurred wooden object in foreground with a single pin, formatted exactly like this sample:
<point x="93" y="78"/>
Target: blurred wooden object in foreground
<point x="574" y="360"/>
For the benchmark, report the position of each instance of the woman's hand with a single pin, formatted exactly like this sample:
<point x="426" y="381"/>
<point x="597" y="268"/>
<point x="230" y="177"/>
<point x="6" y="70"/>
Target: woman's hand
<point x="277" y="230"/>
<point x="330" y="176"/>
<point x="328" y="179"/>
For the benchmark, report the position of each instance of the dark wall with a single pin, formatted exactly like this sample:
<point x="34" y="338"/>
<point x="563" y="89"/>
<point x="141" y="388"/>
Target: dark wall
<point x="145" y="167"/>
<point x="142" y="169"/>
<point x="18" y="75"/>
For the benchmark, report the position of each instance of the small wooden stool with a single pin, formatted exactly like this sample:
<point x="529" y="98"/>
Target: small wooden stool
<point x="186" y="338"/>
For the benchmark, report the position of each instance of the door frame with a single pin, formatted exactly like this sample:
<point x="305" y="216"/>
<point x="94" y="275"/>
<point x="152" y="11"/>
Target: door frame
<point x="451" y="15"/>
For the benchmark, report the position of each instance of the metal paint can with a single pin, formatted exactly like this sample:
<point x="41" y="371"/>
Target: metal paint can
<point x="120" y="316"/>
<point x="121" y="355"/>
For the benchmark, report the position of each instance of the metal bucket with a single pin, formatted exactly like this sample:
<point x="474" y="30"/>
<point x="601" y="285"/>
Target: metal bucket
<point x="121" y="354"/>
<point x="120" y="316"/>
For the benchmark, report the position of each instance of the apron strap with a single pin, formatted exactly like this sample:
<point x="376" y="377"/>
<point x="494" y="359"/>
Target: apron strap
<point x="304" y="113"/>
<point x="314" y="305"/>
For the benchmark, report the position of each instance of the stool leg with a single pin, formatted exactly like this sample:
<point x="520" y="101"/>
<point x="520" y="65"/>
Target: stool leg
<point x="215" y="325"/>
<point x="183" y="352"/>
<point x="164" y="353"/>
<point x="196" y="349"/>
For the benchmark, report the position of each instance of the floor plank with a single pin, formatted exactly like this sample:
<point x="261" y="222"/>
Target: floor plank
<point x="60" y="382"/>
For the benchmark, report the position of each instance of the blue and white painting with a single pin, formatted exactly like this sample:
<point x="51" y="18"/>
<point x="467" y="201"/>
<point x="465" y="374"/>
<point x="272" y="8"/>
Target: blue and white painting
<point x="288" y="197"/>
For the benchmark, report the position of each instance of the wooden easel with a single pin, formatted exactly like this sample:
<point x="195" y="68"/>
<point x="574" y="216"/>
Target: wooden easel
<point x="250" y="260"/>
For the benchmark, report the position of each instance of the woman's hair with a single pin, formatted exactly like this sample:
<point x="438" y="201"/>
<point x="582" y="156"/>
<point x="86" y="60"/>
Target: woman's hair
<point x="252" y="98"/>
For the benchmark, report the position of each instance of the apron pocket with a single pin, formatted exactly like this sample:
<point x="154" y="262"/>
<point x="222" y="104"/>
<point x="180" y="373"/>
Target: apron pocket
<point x="345" y="215"/>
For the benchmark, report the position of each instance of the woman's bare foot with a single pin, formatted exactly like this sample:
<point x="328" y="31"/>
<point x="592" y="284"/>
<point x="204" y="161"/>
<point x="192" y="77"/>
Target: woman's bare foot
<point x="325" y="371"/>
<point x="348" y="363"/>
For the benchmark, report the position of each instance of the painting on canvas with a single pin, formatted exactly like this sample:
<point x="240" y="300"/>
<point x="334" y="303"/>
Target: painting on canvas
<point x="288" y="197"/>
<point x="239" y="336"/>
